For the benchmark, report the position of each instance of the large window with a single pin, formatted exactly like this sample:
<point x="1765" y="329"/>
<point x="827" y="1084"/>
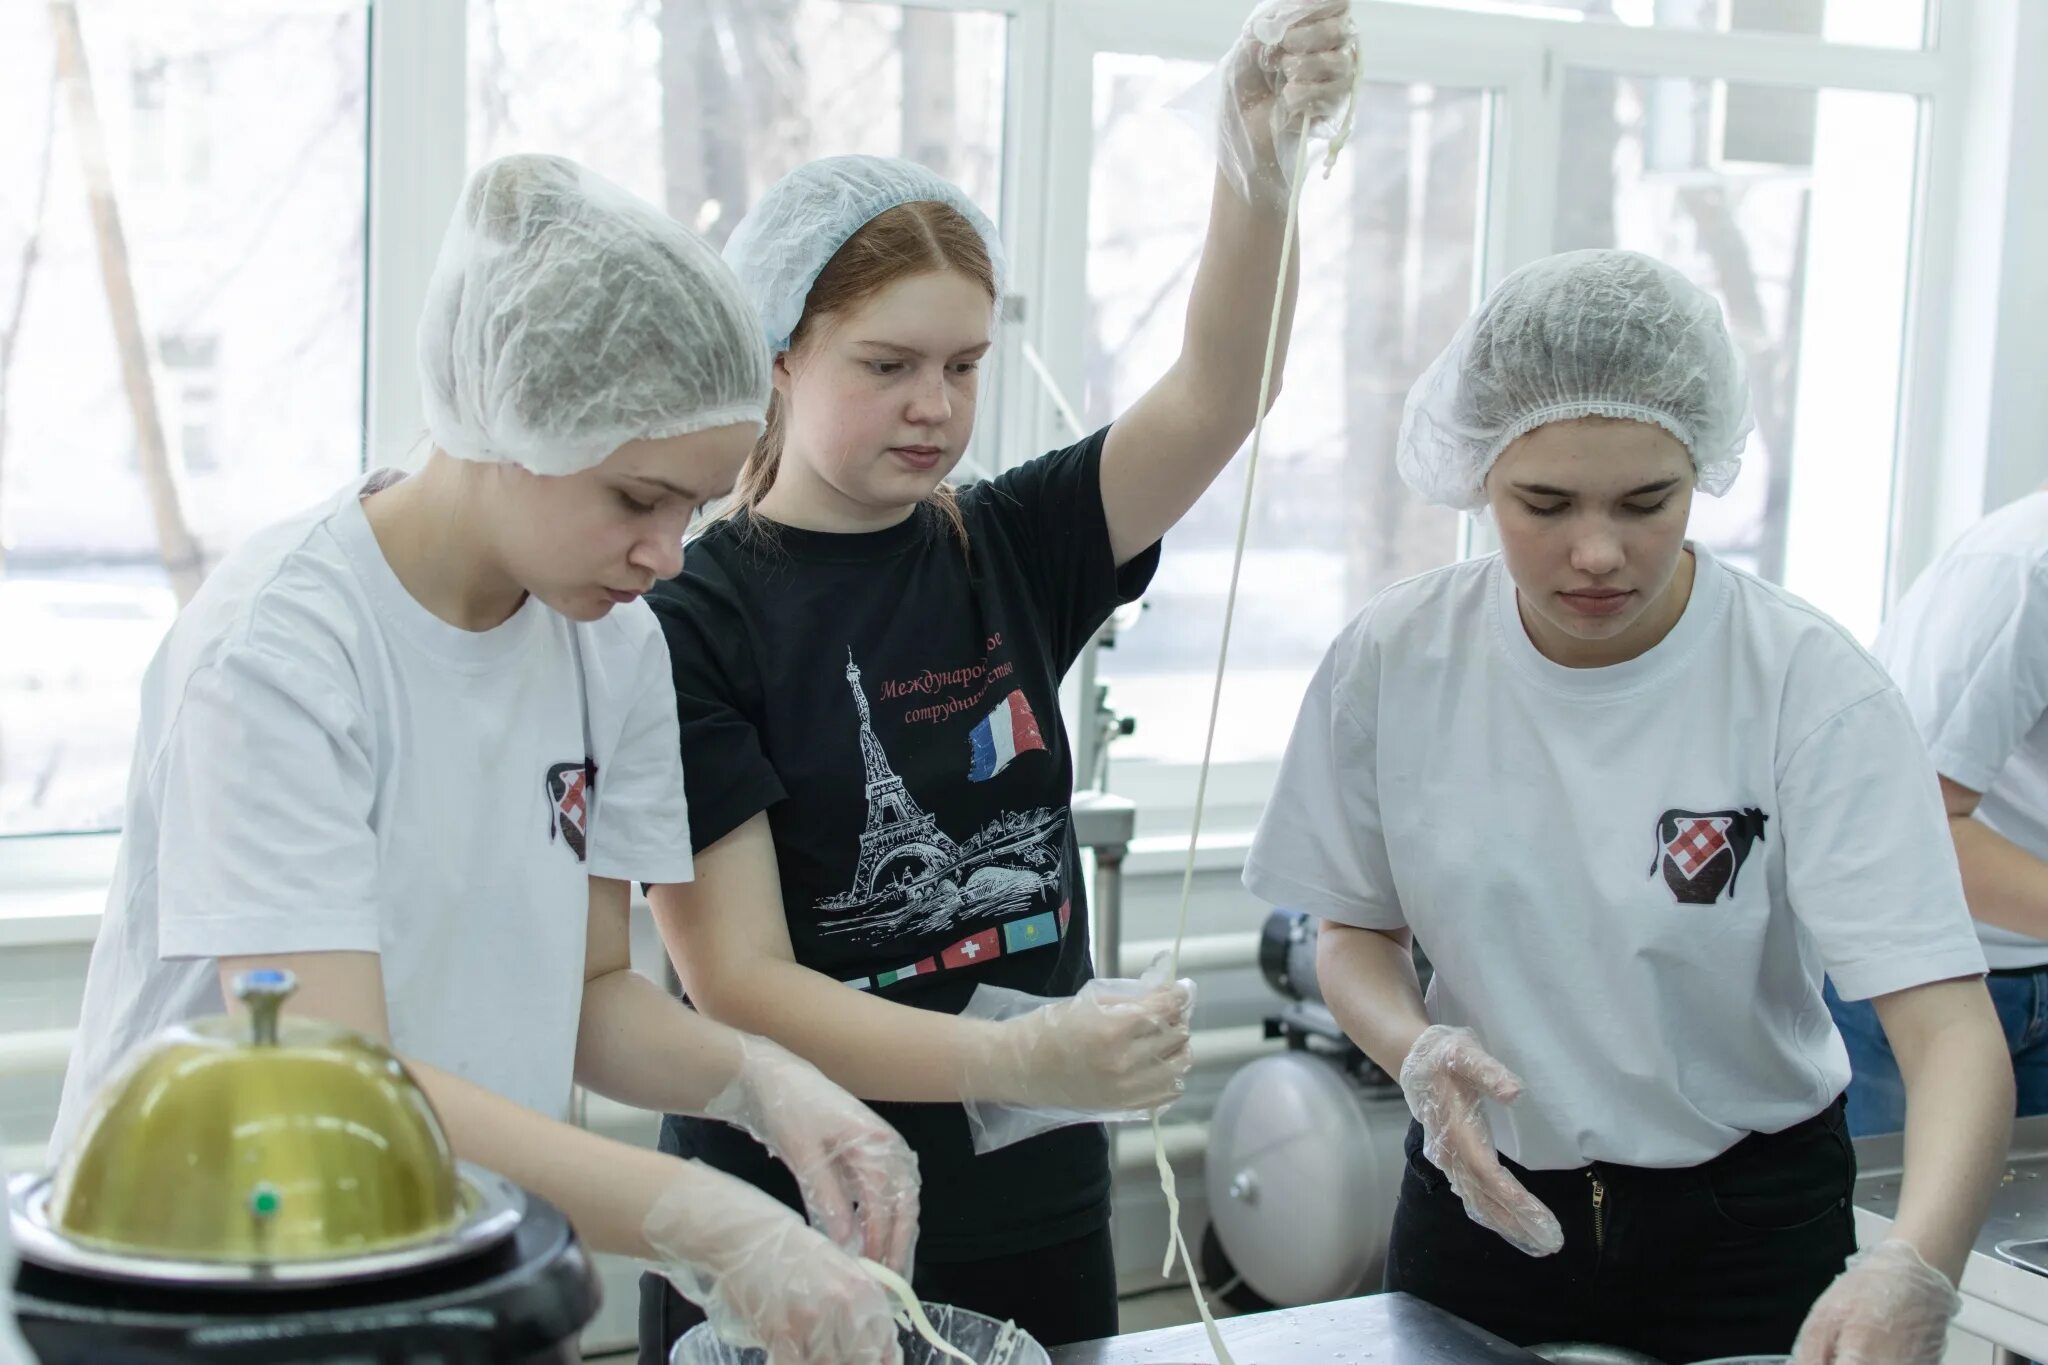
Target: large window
<point x="183" y="278"/>
<point x="706" y="102"/>
<point x="1794" y="208"/>
<point x="1788" y="188"/>
<point x="181" y="324"/>
<point x="1876" y="23"/>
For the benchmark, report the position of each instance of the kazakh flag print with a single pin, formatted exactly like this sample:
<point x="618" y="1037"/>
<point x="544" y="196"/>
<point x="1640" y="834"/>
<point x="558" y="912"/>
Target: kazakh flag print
<point x="1020" y="934"/>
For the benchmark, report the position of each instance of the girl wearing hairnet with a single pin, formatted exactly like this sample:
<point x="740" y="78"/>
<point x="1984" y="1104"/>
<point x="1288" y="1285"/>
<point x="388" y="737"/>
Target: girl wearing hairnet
<point x="867" y="663"/>
<point x="413" y="744"/>
<point x="1633" y="802"/>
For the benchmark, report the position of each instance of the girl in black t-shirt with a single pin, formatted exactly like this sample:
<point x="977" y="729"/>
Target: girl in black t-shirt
<point x="867" y="666"/>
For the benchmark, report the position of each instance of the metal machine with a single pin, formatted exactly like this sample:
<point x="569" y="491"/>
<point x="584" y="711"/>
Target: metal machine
<point x="279" y="1190"/>
<point x="1305" y="1156"/>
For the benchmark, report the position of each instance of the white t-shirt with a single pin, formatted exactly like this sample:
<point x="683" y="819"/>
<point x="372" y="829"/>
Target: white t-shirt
<point x="324" y="765"/>
<point x="1969" y="648"/>
<point x="1628" y="879"/>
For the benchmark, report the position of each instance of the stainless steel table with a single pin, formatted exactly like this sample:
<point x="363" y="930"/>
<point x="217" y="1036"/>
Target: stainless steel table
<point x="1380" y="1329"/>
<point x="2002" y="1303"/>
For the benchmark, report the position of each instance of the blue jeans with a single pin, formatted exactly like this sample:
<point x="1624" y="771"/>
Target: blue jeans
<point x="1877" y="1094"/>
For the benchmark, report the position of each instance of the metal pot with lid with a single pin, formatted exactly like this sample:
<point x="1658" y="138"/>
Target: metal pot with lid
<point x="283" y="1176"/>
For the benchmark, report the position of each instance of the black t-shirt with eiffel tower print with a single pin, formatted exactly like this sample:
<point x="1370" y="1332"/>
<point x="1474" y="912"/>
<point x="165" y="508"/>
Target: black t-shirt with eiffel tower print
<point x="893" y="705"/>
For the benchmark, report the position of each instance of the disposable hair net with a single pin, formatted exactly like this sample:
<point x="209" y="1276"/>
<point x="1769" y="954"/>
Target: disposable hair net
<point x="566" y="317"/>
<point x="1582" y="334"/>
<point x="787" y="238"/>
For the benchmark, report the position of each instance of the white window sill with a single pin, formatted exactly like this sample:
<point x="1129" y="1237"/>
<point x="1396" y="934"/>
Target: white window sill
<point x="52" y="889"/>
<point x="49" y="918"/>
<point x="1154" y="855"/>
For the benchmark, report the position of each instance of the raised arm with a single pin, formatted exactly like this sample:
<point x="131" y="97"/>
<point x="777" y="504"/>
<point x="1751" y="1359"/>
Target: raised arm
<point x="1173" y="442"/>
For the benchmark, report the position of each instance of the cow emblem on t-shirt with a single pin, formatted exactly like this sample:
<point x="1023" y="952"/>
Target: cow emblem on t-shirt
<point x="1701" y="853"/>
<point x="570" y="788"/>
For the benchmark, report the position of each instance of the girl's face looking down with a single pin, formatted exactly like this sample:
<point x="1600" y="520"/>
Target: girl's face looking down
<point x="585" y="543"/>
<point x="1592" y="515"/>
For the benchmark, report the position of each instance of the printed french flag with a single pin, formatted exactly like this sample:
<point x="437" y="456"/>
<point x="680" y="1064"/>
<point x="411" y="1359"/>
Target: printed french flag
<point x="1004" y="733"/>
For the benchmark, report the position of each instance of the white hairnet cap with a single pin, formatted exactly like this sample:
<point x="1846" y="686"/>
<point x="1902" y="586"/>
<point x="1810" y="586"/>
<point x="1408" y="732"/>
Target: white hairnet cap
<point x="804" y="218"/>
<point x="566" y="317"/>
<point x="1582" y="334"/>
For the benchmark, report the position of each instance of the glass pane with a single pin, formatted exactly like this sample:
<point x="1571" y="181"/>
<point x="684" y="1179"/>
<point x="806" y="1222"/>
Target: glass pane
<point x="1794" y="208"/>
<point x="181" y="334"/>
<point x="1874" y="23"/>
<point x="707" y="102"/>
<point x="1389" y="244"/>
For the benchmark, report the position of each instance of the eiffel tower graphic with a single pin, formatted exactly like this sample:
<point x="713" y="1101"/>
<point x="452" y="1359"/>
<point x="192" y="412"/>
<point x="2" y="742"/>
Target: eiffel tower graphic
<point x="900" y="840"/>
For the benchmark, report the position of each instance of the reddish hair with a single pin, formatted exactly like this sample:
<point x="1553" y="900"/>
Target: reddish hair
<point x="909" y="239"/>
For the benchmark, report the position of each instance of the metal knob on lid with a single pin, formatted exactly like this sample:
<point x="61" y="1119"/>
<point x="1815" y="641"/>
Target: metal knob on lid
<point x="263" y="992"/>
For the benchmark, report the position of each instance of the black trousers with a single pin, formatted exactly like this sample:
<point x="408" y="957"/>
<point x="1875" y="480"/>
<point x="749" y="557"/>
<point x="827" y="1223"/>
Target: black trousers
<point x="1685" y="1265"/>
<point x="1059" y="1294"/>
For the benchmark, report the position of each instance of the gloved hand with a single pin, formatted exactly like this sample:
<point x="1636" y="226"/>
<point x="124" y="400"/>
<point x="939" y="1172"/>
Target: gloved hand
<point x="858" y="1176"/>
<point x="1294" y="58"/>
<point x="1116" y="1050"/>
<point x="1889" y="1307"/>
<point x="1445" y="1077"/>
<point x="765" y="1279"/>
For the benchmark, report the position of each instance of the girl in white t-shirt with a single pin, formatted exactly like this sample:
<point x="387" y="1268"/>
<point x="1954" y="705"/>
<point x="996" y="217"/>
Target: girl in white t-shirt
<point x="1633" y="803"/>
<point x="1968" y="646"/>
<point x="415" y="744"/>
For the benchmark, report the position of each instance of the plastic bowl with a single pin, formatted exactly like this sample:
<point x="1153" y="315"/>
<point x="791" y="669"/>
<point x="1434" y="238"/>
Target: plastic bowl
<point x="973" y="1333"/>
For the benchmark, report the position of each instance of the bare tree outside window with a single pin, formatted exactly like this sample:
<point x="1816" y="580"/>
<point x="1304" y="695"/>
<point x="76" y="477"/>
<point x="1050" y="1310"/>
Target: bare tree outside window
<point x="180" y="343"/>
<point x="26" y="257"/>
<point x="1723" y="180"/>
<point x="713" y="100"/>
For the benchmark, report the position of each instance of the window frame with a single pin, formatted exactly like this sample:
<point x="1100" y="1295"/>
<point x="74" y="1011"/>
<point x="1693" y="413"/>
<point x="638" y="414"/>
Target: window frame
<point x="1968" y="373"/>
<point x="1524" y="59"/>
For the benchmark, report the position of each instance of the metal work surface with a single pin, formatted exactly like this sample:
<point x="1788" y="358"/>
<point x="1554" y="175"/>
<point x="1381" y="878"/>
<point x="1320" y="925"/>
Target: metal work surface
<point x="2002" y="1303"/>
<point x="2019" y="1207"/>
<point x="1380" y="1329"/>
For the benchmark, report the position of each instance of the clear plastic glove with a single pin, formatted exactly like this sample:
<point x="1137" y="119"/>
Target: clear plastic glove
<point x="1445" y="1077"/>
<point x="858" y="1176"/>
<point x="1889" y="1307"/>
<point x="1117" y="1050"/>
<point x="764" y="1278"/>
<point x="1290" y="73"/>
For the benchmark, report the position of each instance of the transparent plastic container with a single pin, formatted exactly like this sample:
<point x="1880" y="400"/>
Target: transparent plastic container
<point x="990" y="1343"/>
